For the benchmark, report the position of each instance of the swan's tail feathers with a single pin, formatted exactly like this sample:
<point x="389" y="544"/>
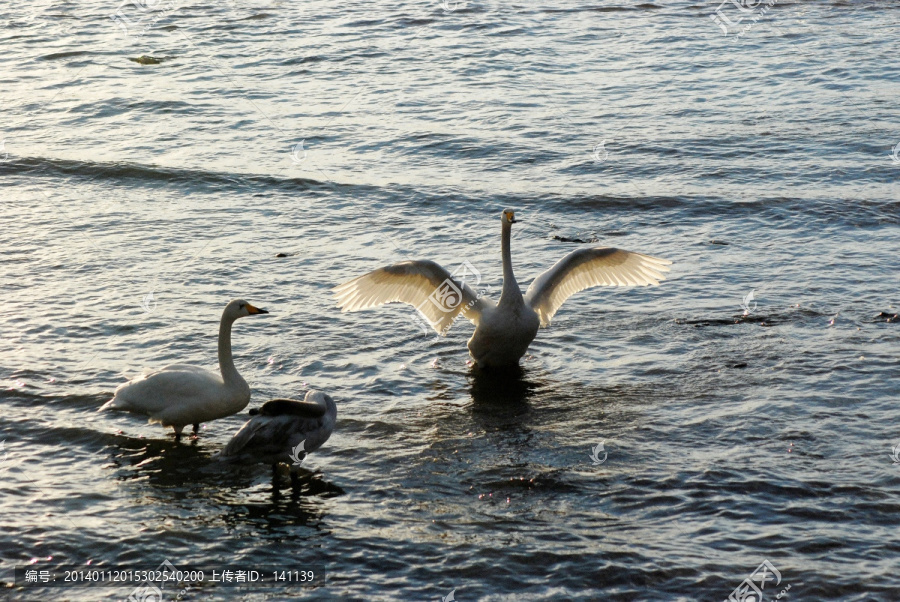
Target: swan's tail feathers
<point x="118" y="403"/>
<point x="109" y="405"/>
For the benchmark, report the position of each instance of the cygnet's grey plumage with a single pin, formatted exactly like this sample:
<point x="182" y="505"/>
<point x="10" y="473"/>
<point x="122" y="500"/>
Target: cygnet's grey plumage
<point x="279" y="426"/>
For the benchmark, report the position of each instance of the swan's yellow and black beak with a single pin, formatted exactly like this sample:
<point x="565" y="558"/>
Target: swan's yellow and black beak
<point x="255" y="310"/>
<point x="510" y="217"/>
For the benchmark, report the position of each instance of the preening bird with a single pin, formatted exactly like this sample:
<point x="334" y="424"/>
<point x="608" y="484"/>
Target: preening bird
<point x="181" y="394"/>
<point x="503" y="330"/>
<point x="283" y="430"/>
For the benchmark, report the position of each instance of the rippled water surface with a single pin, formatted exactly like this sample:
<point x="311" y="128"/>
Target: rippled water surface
<point x="155" y="165"/>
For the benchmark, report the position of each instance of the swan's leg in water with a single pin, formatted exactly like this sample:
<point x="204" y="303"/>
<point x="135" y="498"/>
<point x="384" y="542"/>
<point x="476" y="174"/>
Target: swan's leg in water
<point x="276" y="485"/>
<point x="177" y="432"/>
<point x="196" y="429"/>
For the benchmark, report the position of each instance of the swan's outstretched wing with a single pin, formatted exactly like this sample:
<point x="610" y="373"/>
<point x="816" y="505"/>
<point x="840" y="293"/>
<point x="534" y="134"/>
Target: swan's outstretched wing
<point x="423" y="284"/>
<point x="584" y="268"/>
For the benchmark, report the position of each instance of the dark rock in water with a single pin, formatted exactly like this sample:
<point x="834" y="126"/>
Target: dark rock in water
<point x="718" y="242"/>
<point x="281" y="255"/>
<point x="317" y="485"/>
<point x="146" y="60"/>
<point x="579" y="240"/>
<point x="749" y="319"/>
<point x="887" y="317"/>
<point x="740" y="365"/>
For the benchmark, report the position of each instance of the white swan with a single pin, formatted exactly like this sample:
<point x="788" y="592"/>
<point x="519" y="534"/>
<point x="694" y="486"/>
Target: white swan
<point x="503" y="330"/>
<point x="181" y="394"/>
<point x="283" y="430"/>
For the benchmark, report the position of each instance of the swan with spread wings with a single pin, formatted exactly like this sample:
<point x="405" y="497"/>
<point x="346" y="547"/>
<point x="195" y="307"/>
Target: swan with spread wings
<point x="503" y="330"/>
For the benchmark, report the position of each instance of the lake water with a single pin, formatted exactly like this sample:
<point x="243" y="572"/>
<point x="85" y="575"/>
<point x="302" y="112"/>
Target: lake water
<point x="153" y="166"/>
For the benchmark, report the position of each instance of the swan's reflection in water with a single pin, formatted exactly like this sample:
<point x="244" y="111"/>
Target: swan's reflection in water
<point x="505" y="390"/>
<point x="186" y="476"/>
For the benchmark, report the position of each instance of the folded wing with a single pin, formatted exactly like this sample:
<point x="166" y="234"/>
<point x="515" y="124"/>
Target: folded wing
<point x="584" y="268"/>
<point x="423" y="284"/>
<point x="275" y="429"/>
<point x="311" y="407"/>
<point x="173" y="386"/>
<point x="269" y="440"/>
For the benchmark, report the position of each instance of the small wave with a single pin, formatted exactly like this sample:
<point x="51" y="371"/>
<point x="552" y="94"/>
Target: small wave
<point x="63" y="55"/>
<point x="602" y="9"/>
<point x="303" y="60"/>
<point x="149" y="174"/>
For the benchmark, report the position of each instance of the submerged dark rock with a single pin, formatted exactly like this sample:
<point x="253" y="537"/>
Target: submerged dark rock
<point x="147" y="60"/>
<point x="578" y="240"/>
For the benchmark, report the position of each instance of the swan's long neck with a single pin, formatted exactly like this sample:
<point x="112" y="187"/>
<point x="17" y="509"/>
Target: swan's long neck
<point x="511" y="292"/>
<point x="226" y="362"/>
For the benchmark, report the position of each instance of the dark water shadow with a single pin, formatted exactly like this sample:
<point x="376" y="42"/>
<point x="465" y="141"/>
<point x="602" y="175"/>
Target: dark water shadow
<point x="502" y="405"/>
<point x="501" y="390"/>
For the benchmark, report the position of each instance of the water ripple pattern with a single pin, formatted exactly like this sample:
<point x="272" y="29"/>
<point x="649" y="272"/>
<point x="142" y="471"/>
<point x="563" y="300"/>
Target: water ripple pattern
<point x="160" y="157"/>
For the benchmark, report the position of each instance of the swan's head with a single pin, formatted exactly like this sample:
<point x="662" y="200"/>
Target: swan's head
<point x="240" y="308"/>
<point x="509" y="216"/>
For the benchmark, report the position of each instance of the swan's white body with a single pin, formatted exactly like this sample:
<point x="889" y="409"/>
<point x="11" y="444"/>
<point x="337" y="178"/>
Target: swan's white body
<point x="181" y="394"/>
<point x="503" y="330"/>
<point x="276" y="430"/>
